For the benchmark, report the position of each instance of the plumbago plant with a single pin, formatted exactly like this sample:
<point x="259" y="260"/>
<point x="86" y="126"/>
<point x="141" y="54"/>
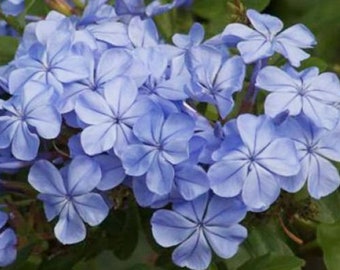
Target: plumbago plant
<point x="200" y="153"/>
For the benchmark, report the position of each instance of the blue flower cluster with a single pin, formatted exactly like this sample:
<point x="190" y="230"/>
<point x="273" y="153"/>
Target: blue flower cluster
<point x="106" y="85"/>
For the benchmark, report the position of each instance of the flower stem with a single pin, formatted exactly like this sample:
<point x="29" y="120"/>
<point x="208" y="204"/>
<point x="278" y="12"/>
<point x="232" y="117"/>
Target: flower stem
<point x="291" y="235"/>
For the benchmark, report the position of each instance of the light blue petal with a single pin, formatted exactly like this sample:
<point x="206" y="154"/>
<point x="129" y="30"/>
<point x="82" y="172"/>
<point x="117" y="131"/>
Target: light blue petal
<point x="114" y="33"/>
<point x="45" y="178"/>
<point x="83" y="176"/>
<point x="92" y="109"/>
<point x="264" y="23"/>
<point x="329" y="145"/>
<point x="149" y="127"/>
<point x="3" y="219"/>
<point x="137" y="159"/>
<point x="70" y="229"/>
<point x="120" y="93"/>
<point x="25" y="144"/>
<point x="177" y="126"/>
<point x="8" y="128"/>
<point x="193" y="210"/>
<point x="138" y="109"/>
<point x="294" y="54"/>
<point x="224" y="212"/>
<point x="224" y="102"/>
<point x="125" y="65"/>
<point x="173" y="89"/>
<point x="112" y="171"/>
<point x="143" y="33"/>
<point x="274" y="79"/>
<point x="71" y="68"/>
<point x="279" y="102"/>
<point x="170" y="228"/>
<point x="323" y="177"/>
<point x="191" y="181"/>
<point x="8" y="242"/>
<point x="91" y="208"/>
<point x="260" y="188"/>
<point x="253" y="50"/>
<point x="280" y="157"/>
<point x="176" y="151"/>
<point x="225" y="240"/>
<point x="325" y="87"/>
<point x="231" y="75"/>
<point x="227" y="177"/>
<point x="124" y="138"/>
<point x="145" y="197"/>
<point x="235" y="32"/>
<point x="256" y="132"/>
<point x="53" y="204"/>
<point x="194" y="253"/>
<point x="97" y="139"/>
<point x="322" y="114"/>
<point x="46" y="120"/>
<point x="160" y="176"/>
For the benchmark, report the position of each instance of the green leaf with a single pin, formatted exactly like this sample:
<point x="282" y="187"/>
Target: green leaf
<point x="314" y="62"/>
<point x="211" y="112"/>
<point x="328" y="236"/>
<point x="273" y="261"/>
<point x="213" y="267"/>
<point x="34" y="7"/>
<point x="238" y="259"/>
<point x="214" y="15"/>
<point x="263" y="239"/>
<point x="8" y="47"/>
<point x="208" y="9"/>
<point x="139" y="266"/>
<point x="122" y="230"/>
<point x="256" y="4"/>
<point x="328" y="208"/>
<point x="63" y="261"/>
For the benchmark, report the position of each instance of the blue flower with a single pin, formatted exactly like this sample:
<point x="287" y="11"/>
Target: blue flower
<point x="316" y="148"/>
<point x="26" y="115"/>
<point x="215" y="78"/>
<point x="50" y="61"/>
<point x="251" y="160"/>
<point x="306" y="92"/>
<point x="8" y="242"/>
<point x="101" y="72"/>
<point x="163" y="144"/>
<point x="208" y="222"/>
<point x="110" y="116"/>
<point x="264" y="41"/>
<point x="69" y="195"/>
